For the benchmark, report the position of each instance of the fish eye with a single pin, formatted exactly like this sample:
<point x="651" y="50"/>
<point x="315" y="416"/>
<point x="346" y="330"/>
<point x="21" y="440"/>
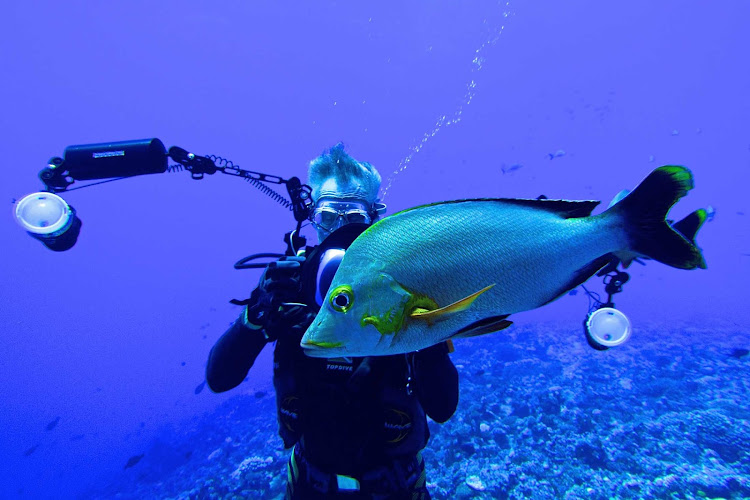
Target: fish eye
<point x="341" y="298"/>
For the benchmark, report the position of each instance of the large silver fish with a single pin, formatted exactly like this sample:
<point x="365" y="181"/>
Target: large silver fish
<point x="460" y="268"/>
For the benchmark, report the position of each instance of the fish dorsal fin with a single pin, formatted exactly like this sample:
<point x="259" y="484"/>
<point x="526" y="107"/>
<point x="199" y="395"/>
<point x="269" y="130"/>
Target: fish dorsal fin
<point x="483" y="327"/>
<point x="564" y="208"/>
<point x="434" y="315"/>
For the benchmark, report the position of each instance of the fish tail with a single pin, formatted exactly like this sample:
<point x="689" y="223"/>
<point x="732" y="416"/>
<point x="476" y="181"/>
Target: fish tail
<point x="644" y="211"/>
<point x="689" y="226"/>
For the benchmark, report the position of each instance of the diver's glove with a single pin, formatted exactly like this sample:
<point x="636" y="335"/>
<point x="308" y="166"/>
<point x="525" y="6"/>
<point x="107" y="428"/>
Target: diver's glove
<point x="277" y="308"/>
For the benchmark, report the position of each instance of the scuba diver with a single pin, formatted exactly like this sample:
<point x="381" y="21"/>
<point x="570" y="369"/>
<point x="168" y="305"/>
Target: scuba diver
<point x="356" y="425"/>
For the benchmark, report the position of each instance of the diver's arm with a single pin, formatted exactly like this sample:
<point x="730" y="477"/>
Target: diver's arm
<point x="436" y="382"/>
<point x="234" y="353"/>
<point x="276" y="306"/>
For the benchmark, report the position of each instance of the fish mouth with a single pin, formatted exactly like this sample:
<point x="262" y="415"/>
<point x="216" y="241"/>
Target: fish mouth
<point x="315" y="345"/>
<point x="314" y="349"/>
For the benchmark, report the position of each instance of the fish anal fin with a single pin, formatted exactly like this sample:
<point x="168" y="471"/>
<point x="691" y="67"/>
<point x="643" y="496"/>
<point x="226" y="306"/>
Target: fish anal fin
<point x="431" y="316"/>
<point x="483" y="327"/>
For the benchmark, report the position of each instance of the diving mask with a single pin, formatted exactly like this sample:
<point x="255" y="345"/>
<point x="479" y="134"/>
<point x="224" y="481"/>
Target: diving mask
<point x="330" y="215"/>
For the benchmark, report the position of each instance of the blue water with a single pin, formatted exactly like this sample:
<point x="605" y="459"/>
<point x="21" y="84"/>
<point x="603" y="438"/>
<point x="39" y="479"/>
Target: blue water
<point x="448" y="100"/>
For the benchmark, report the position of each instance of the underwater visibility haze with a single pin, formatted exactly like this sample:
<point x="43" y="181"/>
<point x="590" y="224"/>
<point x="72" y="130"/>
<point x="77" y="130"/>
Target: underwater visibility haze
<point x="105" y="344"/>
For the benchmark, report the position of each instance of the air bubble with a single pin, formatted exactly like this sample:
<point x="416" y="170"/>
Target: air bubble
<point x="476" y="66"/>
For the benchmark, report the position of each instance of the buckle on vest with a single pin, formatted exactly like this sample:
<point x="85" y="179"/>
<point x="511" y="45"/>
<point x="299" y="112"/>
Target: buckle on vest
<point x="346" y="483"/>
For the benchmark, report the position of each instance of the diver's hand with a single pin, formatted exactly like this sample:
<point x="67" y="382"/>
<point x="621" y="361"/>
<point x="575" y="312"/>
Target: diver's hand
<point x="282" y="278"/>
<point x="278" y="309"/>
<point x="289" y="322"/>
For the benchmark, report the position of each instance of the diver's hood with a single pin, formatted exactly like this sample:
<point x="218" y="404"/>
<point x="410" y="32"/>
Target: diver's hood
<point x="321" y="264"/>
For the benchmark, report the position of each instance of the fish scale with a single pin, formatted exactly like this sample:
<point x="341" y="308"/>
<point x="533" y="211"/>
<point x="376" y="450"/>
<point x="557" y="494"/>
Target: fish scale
<point x="518" y="265"/>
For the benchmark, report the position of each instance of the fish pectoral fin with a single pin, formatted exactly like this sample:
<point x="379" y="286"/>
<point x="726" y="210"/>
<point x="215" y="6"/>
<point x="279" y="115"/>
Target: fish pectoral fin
<point x="483" y="327"/>
<point x="434" y="315"/>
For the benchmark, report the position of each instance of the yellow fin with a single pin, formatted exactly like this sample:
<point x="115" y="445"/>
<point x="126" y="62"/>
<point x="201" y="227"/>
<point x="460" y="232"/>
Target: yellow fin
<point x="458" y="306"/>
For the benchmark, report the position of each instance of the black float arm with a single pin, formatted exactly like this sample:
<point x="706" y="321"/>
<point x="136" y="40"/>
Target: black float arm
<point x="118" y="160"/>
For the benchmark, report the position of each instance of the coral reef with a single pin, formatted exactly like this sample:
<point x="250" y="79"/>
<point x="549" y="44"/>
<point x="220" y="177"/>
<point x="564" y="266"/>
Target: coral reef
<point x="541" y="416"/>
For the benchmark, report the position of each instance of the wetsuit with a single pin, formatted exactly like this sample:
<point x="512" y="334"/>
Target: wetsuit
<point x="357" y="425"/>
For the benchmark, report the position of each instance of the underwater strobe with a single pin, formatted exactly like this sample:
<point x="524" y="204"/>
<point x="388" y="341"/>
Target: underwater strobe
<point x="48" y="218"/>
<point x="606" y="326"/>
